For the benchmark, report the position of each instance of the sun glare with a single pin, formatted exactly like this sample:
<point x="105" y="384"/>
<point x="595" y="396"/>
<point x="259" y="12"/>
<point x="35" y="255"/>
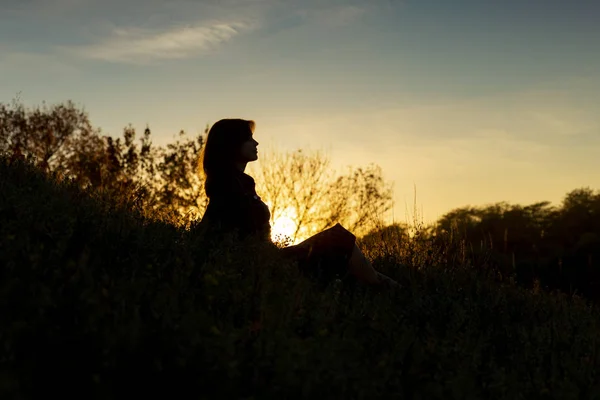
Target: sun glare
<point x="284" y="225"/>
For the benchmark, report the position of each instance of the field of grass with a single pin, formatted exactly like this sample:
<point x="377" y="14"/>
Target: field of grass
<point x="99" y="301"/>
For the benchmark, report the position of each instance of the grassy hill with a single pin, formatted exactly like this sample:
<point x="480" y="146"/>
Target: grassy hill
<point x="99" y="301"/>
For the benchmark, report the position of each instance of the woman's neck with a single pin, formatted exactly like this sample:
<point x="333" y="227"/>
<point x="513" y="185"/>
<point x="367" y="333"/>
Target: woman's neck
<point x="241" y="166"/>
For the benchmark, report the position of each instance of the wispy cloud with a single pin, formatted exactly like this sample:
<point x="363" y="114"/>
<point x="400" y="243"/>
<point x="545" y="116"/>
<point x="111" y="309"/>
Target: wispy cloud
<point x="140" y="46"/>
<point x="136" y="34"/>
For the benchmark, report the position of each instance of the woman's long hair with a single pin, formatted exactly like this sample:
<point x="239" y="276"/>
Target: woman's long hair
<point x="225" y="138"/>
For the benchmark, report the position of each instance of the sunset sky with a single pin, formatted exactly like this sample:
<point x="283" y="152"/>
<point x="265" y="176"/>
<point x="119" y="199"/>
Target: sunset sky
<point x="473" y="102"/>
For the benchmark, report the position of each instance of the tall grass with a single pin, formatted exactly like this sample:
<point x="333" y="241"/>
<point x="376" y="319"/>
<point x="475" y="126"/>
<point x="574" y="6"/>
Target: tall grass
<point x="99" y="300"/>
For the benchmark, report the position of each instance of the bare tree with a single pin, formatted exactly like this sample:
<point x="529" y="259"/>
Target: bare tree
<point x="359" y="199"/>
<point x="303" y="183"/>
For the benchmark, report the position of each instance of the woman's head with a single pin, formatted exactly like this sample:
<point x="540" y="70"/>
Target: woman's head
<point x="226" y="144"/>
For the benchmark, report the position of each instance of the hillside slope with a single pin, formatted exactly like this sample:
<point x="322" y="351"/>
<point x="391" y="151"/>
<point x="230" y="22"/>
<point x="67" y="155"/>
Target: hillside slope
<point x="99" y="302"/>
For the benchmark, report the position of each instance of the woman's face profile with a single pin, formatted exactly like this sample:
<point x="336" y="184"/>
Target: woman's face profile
<point x="248" y="151"/>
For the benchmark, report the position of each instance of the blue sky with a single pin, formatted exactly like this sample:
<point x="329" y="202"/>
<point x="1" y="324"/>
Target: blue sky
<point x="473" y="102"/>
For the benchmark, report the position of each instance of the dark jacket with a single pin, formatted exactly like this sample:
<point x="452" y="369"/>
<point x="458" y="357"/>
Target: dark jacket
<point x="235" y="206"/>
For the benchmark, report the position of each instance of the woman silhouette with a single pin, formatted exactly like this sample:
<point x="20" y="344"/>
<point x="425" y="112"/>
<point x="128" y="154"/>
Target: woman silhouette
<point x="235" y="206"/>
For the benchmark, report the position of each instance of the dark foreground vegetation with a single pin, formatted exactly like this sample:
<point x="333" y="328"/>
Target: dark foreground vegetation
<point x="99" y="301"/>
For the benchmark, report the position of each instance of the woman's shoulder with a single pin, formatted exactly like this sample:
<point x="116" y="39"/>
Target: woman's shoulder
<point x="231" y="183"/>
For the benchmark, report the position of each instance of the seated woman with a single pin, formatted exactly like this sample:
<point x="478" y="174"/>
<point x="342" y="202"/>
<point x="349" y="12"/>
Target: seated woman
<point x="235" y="206"/>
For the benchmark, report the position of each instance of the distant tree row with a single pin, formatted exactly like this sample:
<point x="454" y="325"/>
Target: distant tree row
<point x="555" y="247"/>
<point x="559" y="246"/>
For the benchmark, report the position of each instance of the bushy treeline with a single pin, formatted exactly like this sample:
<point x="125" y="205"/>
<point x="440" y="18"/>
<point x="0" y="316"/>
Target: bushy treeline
<point x="61" y="140"/>
<point x="99" y="301"/>
<point x="559" y="246"/>
<point x="555" y="247"/>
